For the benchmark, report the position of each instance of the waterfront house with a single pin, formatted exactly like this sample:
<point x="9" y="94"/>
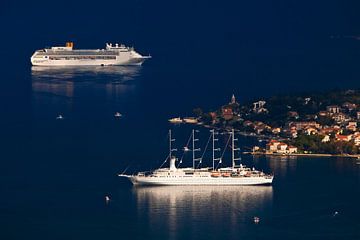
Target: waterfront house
<point x="282" y="148"/>
<point x="292" y="149"/>
<point x="272" y="146"/>
<point x="275" y="146"/>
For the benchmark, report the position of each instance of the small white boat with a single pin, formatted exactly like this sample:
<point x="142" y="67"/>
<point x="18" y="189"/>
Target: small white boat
<point x="59" y="117"/>
<point x="117" y="115"/>
<point x="176" y="120"/>
<point x="107" y="199"/>
<point x="190" y="120"/>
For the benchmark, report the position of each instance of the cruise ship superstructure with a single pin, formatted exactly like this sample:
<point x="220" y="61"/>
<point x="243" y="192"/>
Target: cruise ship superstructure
<point x="117" y="54"/>
<point x="234" y="175"/>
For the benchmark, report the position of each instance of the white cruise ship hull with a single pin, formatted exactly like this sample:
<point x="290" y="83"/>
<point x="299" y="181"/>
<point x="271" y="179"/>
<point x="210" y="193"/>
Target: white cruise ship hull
<point x="124" y="62"/>
<point x="181" y="181"/>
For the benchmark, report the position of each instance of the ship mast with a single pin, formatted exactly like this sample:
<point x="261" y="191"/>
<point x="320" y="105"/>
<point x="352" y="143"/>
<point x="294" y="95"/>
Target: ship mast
<point x="234" y="149"/>
<point x="214" y="149"/>
<point x="170" y="145"/>
<point x="195" y="149"/>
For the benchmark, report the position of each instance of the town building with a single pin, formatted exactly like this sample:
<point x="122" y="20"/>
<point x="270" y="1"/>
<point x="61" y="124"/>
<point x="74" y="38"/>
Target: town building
<point x="275" y="146"/>
<point x="259" y="107"/>
<point x="293" y="114"/>
<point x="227" y="113"/>
<point x="356" y="138"/>
<point x="358" y="115"/>
<point x="349" y="106"/>
<point x="340" y="117"/>
<point x="333" y="109"/>
<point x="325" y="139"/>
<point x="302" y="125"/>
<point x="345" y="138"/>
<point x="351" y="126"/>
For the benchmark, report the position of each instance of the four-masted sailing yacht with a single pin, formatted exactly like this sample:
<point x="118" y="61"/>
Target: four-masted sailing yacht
<point x="237" y="174"/>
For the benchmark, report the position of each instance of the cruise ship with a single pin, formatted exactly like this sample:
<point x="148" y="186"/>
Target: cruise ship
<point x="237" y="174"/>
<point x="117" y="54"/>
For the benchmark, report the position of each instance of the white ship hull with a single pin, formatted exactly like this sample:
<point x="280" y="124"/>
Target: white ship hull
<point x="181" y="181"/>
<point x="124" y="62"/>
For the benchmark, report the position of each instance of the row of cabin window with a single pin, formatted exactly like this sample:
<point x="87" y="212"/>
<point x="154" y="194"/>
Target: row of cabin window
<point x="82" y="57"/>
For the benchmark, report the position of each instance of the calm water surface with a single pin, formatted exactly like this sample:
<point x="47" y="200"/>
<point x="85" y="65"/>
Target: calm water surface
<point x="57" y="172"/>
<point x="54" y="175"/>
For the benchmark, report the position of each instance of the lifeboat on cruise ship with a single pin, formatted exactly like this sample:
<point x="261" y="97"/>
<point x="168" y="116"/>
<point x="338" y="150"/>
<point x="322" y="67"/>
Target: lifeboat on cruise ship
<point x="215" y="174"/>
<point x="248" y="174"/>
<point x="226" y="174"/>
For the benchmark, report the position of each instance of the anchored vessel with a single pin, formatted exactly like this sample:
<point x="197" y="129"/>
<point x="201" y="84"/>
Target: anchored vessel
<point x="67" y="56"/>
<point x="234" y="175"/>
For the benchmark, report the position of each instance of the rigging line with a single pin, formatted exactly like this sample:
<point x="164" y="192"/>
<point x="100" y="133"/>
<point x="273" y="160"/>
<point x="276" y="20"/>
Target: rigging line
<point x="165" y="160"/>
<point x="223" y="153"/>
<point x="125" y="169"/>
<point x="207" y="144"/>
<point x="183" y="155"/>
<point x="202" y="156"/>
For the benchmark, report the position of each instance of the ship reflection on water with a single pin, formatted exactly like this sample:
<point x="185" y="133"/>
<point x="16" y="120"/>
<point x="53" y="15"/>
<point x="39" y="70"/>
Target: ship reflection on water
<point x="61" y="86"/>
<point x="216" y="210"/>
<point x="62" y="80"/>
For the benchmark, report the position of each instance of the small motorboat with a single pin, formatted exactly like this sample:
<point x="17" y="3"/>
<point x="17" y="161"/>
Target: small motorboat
<point x="117" y="115"/>
<point x="175" y="120"/>
<point x="190" y="120"/>
<point x="59" y="117"/>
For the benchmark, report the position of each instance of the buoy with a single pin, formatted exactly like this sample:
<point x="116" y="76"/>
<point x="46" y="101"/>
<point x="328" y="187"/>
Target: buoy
<point x="256" y="220"/>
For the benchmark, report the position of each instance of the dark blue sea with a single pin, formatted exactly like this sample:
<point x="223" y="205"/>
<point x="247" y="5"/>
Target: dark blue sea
<point x="55" y="174"/>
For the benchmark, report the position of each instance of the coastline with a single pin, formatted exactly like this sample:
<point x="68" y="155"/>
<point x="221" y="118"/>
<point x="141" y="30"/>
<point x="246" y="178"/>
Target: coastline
<point x="305" y="155"/>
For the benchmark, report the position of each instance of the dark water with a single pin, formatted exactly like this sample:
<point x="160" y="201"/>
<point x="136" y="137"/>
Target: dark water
<point x="54" y="174"/>
<point x="57" y="173"/>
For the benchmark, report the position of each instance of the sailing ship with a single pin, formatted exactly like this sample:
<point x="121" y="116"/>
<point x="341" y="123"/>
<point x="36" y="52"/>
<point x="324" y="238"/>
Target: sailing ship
<point x="237" y="174"/>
